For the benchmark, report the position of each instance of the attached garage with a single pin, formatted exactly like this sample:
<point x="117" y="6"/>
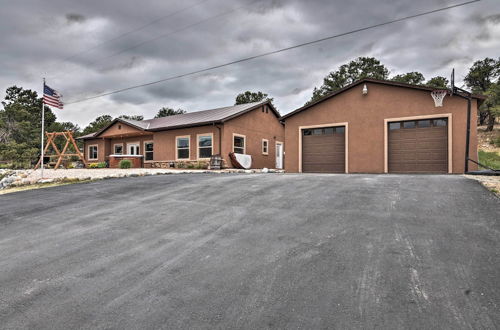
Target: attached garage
<point x="418" y="146"/>
<point x="323" y="149"/>
<point x="378" y="126"/>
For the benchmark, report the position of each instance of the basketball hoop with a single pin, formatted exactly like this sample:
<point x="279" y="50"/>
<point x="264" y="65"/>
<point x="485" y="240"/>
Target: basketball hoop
<point x="438" y="96"/>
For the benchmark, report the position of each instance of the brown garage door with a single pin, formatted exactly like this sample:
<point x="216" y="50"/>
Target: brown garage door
<point x="323" y="150"/>
<point x="418" y="146"/>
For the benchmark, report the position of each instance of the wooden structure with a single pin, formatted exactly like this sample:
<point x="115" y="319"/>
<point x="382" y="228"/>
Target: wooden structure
<point x="68" y="135"/>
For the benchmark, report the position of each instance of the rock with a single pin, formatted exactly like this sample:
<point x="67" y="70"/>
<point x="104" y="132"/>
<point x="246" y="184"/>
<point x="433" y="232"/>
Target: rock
<point x="25" y="181"/>
<point x="265" y="170"/>
<point x="45" y="180"/>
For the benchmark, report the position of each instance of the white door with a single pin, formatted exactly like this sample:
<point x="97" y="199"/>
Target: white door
<point x="279" y="155"/>
<point x="133" y="149"/>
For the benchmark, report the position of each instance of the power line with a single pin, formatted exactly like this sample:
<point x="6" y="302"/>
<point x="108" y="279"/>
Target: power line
<point x="275" y="51"/>
<point x="161" y="36"/>
<point x="142" y="27"/>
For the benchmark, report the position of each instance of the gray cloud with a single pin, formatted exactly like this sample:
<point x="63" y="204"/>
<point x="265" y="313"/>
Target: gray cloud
<point x="37" y="37"/>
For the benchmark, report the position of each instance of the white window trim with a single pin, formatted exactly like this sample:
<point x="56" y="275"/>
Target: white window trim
<point x="88" y="151"/>
<point x="189" y="146"/>
<point x="450" y="136"/>
<point x="198" y="145"/>
<point x="262" y="145"/>
<point x="346" y="124"/>
<point x="133" y="143"/>
<point x="114" y="150"/>
<point x="244" y="142"/>
<point x="144" y="151"/>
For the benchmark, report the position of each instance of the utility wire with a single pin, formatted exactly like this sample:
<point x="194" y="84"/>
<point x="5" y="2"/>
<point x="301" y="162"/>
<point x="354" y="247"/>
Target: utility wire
<point x="142" y="27"/>
<point x="162" y="36"/>
<point x="275" y="51"/>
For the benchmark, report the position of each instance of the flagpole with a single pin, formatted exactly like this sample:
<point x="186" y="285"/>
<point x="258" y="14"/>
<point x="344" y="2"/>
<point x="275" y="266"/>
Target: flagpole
<point x="43" y="127"/>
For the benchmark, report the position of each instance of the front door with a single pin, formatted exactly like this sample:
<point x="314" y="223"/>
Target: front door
<point x="279" y="155"/>
<point x="133" y="148"/>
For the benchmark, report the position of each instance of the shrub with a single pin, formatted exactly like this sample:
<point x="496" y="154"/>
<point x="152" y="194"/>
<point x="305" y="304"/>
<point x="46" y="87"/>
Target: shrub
<point x="201" y="165"/>
<point x="190" y="165"/>
<point x="102" y="165"/>
<point x="93" y="165"/>
<point x="70" y="165"/>
<point x="125" y="163"/>
<point x="180" y="165"/>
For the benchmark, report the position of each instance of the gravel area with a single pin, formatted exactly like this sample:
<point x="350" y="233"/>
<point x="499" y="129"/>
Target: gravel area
<point x="117" y="172"/>
<point x="490" y="182"/>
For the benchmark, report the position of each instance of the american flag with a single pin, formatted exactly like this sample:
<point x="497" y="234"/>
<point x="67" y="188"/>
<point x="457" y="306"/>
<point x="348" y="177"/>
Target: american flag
<point x="52" y="97"/>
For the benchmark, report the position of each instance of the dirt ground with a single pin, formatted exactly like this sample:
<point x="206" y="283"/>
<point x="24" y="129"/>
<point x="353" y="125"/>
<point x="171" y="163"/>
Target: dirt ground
<point x="485" y="137"/>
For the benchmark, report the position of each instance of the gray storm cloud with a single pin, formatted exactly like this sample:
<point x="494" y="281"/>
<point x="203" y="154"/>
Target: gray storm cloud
<point x="39" y="38"/>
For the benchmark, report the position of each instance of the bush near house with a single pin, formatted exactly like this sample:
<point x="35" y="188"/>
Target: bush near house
<point x="490" y="159"/>
<point x="93" y="165"/>
<point x="125" y="163"/>
<point x="101" y="165"/>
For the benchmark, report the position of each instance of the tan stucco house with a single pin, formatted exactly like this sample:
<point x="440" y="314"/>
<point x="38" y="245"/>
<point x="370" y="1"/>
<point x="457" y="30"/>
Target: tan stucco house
<point x="253" y="129"/>
<point x="375" y="126"/>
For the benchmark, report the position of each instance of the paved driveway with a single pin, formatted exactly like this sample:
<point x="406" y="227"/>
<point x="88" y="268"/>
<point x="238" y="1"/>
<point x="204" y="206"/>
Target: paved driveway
<point x="253" y="252"/>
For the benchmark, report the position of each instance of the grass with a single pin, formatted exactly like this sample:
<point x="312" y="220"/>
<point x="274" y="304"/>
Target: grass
<point x="490" y="159"/>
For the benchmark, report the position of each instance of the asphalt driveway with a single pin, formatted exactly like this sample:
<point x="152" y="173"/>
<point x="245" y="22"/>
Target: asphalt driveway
<point x="252" y="252"/>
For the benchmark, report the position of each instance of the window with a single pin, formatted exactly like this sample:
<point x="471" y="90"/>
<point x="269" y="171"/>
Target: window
<point x="307" y="132"/>
<point x="409" y="124"/>
<point x="393" y="126"/>
<point x="182" y="147"/>
<point x="204" y="146"/>
<point x="238" y="144"/>
<point x="424" y="123"/>
<point x="118" y="149"/>
<point x="133" y="149"/>
<point x="92" y="152"/>
<point x="148" y="150"/>
<point x="340" y="130"/>
<point x="439" y="122"/>
<point x="265" y="147"/>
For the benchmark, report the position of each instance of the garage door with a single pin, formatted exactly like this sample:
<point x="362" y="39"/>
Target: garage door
<point x="323" y="150"/>
<point x="418" y="146"/>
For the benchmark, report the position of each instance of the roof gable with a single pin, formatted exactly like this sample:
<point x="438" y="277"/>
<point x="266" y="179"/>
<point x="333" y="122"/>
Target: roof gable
<point x="362" y="81"/>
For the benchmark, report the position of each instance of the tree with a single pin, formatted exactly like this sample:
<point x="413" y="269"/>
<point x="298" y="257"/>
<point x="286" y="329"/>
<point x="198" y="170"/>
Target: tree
<point x="250" y="97"/>
<point x="362" y="67"/>
<point x="99" y="123"/>
<point x="413" y="78"/>
<point x="492" y="103"/>
<point x="437" y="82"/>
<point x="20" y="126"/>
<point x="165" y="112"/>
<point x="479" y="79"/>
<point x="133" y="117"/>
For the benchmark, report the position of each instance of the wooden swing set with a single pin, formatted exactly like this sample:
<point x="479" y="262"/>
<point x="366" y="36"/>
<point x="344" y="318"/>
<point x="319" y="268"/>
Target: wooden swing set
<point x="68" y="135"/>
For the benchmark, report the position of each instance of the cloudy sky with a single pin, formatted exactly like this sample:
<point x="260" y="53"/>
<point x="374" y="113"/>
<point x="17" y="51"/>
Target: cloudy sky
<point x="74" y="45"/>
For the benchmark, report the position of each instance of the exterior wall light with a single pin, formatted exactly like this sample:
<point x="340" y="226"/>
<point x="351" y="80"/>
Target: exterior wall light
<point x="365" y="90"/>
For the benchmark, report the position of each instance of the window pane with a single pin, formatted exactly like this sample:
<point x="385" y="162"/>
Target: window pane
<point x="205" y="141"/>
<point x="118" y="149"/>
<point x="239" y="142"/>
<point x="149" y="146"/>
<point x="205" y="152"/>
<point x="317" y="131"/>
<point x="149" y="155"/>
<point x="439" y="122"/>
<point x="239" y="150"/>
<point x="182" y="142"/>
<point x="409" y="124"/>
<point x="393" y="126"/>
<point x="328" y="131"/>
<point x="307" y="132"/>
<point x="424" y="123"/>
<point x="183" y="153"/>
<point x="339" y="130"/>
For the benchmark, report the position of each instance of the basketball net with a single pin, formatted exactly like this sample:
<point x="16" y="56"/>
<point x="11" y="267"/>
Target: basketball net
<point x="438" y="96"/>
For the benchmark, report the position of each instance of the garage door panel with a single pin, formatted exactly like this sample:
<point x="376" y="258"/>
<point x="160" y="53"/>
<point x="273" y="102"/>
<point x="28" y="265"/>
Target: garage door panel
<point x="417" y="149"/>
<point x="323" y="151"/>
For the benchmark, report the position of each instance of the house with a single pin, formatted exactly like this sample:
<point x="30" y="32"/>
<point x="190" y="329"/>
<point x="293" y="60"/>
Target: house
<point x="376" y="126"/>
<point x="253" y="129"/>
